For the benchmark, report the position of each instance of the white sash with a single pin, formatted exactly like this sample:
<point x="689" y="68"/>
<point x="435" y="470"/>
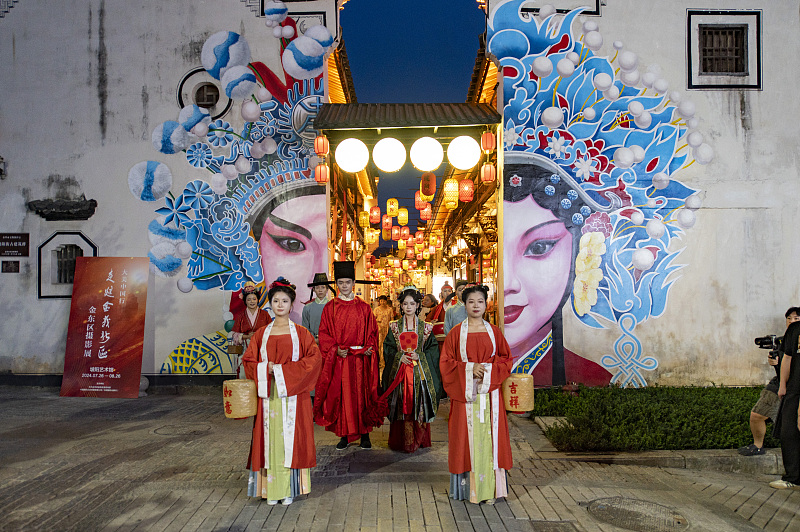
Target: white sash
<point x="288" y="404"/>
<point x="479" y="390"/>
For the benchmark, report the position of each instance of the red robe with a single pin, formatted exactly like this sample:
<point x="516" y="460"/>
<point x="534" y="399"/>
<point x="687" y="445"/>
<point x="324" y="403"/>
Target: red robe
<point x="242" y="323"/>
<point x="479" y="349"/>
<point x="300" y="377"/>
<point x="347" y="386"/>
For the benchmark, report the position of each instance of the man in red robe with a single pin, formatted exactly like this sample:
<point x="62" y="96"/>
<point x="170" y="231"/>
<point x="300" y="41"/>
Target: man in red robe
<point x="348" y="340"/>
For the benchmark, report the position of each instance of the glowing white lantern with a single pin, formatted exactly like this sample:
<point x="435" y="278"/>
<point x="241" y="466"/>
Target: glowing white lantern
<point x="352" y="155"/>
<point x="427" y="154"/>
<point x="389" y="154"/>
<point x="464" y="152"/>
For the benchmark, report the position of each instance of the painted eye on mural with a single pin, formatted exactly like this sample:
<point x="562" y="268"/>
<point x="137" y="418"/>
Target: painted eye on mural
<point x="290" y="244"/>
<point x="537" y="248"/>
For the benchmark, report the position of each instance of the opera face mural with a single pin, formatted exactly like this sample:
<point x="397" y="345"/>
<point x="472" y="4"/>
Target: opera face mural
<point x="255" y="212"/>
<point x="592" y="149"/>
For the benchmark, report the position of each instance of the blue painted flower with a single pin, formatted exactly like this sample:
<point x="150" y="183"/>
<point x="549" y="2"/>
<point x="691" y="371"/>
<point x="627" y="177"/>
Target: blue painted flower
<point x="175" y="211"/>
<point x="219" y="134"/>
<point x="572" y="195"/>
<point x="549" y="190"/>
<point x="555" y="178"/>
<point x="198" y="194"/>
<point x="577" y="218"/>
<point x="586" y="211"/>
<point x="566" y="204"/>
<point x="199" y="155"/>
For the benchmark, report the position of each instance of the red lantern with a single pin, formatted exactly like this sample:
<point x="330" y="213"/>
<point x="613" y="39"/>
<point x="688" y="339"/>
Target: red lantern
<point x="426" y="213"/>
<point x="321" y="146"/>
<point x="410" y="241"/>
<point x="409" y="253"/>
<point x="405" y="232"/>
<point x="419" y="236"/>
<point x="466" y="189"/>
<point x="413" y="264"/>
<point x="419" y="204"/>
<point x="375" y="215"/>
<point x="451" y="193"/>
<point x="396" y="263"/>
<point x="487" y="142"/>
<point x="488" y="173"/>
<point x="387" y="222"/>
<point x="427" y="186"/>
<point x="395" y="232"/>
<point x="321" y="173"/>
<point x="486" y="264"/>
<point x="419" y="256"/>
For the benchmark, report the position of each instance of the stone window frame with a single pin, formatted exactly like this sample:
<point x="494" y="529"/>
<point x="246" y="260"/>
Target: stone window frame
<point x="47" y="264"/>
<point x="723" y="18"/>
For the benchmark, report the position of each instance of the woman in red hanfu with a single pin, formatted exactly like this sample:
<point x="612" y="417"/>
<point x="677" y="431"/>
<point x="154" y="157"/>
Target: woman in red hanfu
<point x="474" y="363"/>
<point x="411" y="353"/>
<point x="252" y="318"/>
<point x="284" y="361"/>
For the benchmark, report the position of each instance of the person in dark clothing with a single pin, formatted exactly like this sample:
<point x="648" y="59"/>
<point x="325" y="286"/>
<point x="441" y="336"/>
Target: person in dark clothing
<point x="789" y="415"/>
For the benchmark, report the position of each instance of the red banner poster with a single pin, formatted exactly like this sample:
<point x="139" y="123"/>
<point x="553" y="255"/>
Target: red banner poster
<point x="106" y="327"/>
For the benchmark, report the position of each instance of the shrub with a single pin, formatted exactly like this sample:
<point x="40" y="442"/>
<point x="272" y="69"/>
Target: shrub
<point x="655" y="417"/>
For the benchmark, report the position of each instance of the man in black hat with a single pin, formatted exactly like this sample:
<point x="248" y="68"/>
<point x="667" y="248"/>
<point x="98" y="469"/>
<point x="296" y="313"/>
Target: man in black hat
<point x="312" y="311"/>
<point x="348" y="339"/>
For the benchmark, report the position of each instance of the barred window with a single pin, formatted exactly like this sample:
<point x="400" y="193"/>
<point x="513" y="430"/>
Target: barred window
<point x="206" y="95"/>
<point x="65" y="256"/>
<point x="723" y="49"/>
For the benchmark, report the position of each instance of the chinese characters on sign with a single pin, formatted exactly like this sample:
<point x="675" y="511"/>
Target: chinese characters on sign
<point x="106" y="327"/>
<point x="14" y="244"/>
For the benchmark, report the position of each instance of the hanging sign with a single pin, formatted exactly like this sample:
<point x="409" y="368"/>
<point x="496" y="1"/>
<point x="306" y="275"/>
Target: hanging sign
<point x="106" y="327"/>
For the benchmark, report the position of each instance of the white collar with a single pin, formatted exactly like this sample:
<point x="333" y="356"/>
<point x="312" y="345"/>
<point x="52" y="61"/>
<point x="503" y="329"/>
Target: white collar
<point x="322" y="301"/>
<point x="349" y="298"/>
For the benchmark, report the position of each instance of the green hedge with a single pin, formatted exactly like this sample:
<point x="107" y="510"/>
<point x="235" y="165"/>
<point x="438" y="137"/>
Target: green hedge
<point x="628" y="419"/>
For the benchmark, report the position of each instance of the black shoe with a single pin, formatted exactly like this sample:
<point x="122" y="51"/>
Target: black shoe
<point x="751" y="450"/>
<point x="342" y="445"/>
<point x="365" y="443"/>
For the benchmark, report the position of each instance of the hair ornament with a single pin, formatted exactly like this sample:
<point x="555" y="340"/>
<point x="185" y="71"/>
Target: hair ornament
<point x="282" y="281"/>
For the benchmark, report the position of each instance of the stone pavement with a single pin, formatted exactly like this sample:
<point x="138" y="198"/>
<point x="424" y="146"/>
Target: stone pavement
<point x="174" y="462"/>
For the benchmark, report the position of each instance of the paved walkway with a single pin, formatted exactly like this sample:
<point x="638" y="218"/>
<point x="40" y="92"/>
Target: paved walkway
<point x="176" y="463"/>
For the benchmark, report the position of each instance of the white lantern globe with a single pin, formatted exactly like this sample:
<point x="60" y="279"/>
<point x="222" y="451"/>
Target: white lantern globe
<point x="464" y="152"/>
<point x="426" y="154"/>
<point x="352" y="155"/>
<point x="389" y="154"/>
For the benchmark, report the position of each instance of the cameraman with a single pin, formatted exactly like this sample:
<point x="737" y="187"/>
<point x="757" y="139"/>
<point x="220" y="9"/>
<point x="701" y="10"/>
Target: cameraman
<point x="768" y="402"/>
<point x="789" y="422"/>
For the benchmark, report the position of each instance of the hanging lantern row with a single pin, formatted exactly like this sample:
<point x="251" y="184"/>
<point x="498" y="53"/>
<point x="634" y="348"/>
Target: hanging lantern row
<point x="402" y="216"/>
<point x="375" y="215"/>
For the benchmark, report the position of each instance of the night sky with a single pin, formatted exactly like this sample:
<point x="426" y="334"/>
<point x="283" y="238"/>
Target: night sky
<point x="411" y="52"/>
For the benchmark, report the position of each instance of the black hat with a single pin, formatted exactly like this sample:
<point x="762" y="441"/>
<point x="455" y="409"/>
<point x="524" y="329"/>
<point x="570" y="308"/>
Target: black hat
<point x="319" y="280"/>
<point x="346" y="269"/>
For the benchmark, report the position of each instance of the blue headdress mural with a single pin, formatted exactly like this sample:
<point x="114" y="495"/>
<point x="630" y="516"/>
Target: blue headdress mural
<point x="612" y="140"/>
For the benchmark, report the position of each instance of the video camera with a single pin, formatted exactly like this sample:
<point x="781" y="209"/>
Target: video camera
<point x="771" y="342"/>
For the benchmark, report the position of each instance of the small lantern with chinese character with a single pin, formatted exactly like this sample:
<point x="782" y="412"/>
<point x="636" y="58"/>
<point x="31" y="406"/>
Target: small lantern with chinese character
<point x="396" y="263"/>
<point x="413" y="264"/>
<point x="419" y="256"/>
<point x="427" y="186"/>
<point x="386" y="234"/>
<point x="321" y="145"/>
<point x="387" y="222"/>
<point x="426" y="254"/>
<point x="391" y="207"/>
<point x="405" y="232"/>
<point x="363" y="219"/>
<point x="321" y="173"/>
<point x="410" y="252"/>
<point x="488" y="173"/>
<point x="518" y="393"/>
<point x="395" y="232"/>
<point x="488" y="143"/>
<point x="405" y="264"/>
<point x="419" y="203"/>
<point x="450" y="193"/>
<point x="410" y="241"/>
<point x="401" y="244"/>
<point x="439" y="242"/>
<point x="432" y="249"/>
<point x="418" y="247"/>
<point x="419" y="237"/>
<point x="375" y="215"/>
<point x="426" y="213"/>
<point x="466" y="189"/>
<point x="402" y="216"/>
<point x="239" y="398"/>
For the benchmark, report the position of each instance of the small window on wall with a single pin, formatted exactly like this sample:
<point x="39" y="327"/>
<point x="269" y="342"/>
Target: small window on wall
<point x="724" y="49"/>
<point x="206" y="95"/>
<point x="56" y="262"/>
<point x="62" y="266"/>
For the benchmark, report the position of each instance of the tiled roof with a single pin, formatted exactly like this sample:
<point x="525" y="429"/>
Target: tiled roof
<point x="386" y="115"/>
